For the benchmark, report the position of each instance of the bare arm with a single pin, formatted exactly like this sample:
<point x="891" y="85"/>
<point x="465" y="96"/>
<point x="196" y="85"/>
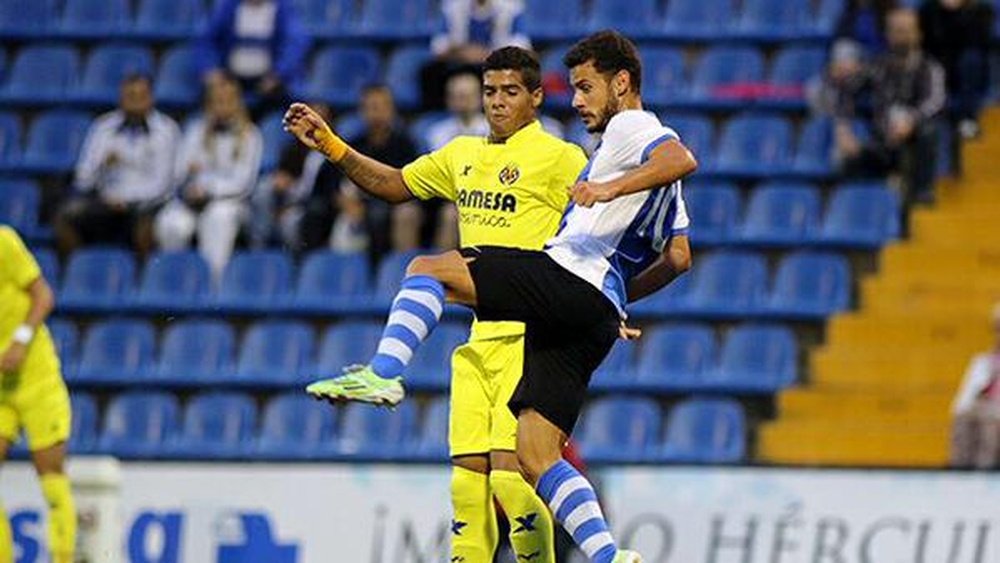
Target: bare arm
<point x="42" y="303"/>
<point x="674" y="261"/>
<point x="668" y="162"/>
<point x="380" y="180"/>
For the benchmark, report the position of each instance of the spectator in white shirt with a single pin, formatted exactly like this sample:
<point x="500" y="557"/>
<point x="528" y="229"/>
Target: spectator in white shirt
<point x="464" y="101"/>
<point x="124" y="174"/>
<point x="215" y="175"/>
<point x="975" y="440"/>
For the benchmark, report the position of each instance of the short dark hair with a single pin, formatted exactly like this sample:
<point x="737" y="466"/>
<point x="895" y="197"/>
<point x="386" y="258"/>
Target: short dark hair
<point x="133" y="77"/>
<point x="521" y="60"/>
<point x="375" y="88"/>
<point x="611" y="52"/>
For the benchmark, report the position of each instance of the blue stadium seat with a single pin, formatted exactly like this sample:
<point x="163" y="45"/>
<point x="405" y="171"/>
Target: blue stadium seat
<point x="106" y="67"/>
<point x="217" y="425"/>
<point x="814" y="152"/>
<point x="48" y="261"/>
<point x="174" y="281"/>
<point x="617" y="371"/>
<point x="403" y="75"/>
<point x="367" y="433"/>
<point x="727" y="284"/>
<point x="330" y="282"/>
<point x="168" y="19"/>
<point x="720" y="70"/>
<point x="666" y="301"/>
<point x="391" y="272"/>
<point x="397" y="19"/>
<point x="338" y="74"/>
<point x="177" y="82"/>
<point x="421" y="126"/>
<point x="664" y="77"/>
<point x="343" y="344"/>
<point x="97" y="279"/>
<point x="19" y="201"/>
<point x="26" y="19"/>
<point x="350" y="126"/>
<point x="548" y="20"/>
<point x="66" y="338"/>
<point x="675" y="357"/>
<point x="94" y="19"/>
<point x="781" y="214"/>
<point x="431" y="366"/>
<point x="697" y="20"/>
<point x="756" y="359"/>
<point x="770" y="20"/>
<point x="83" y="430"/>
<point x="792" y="69"/>
<point x="10" y="140"/>
<point x="327" y="19"/>
<point x="195" y="352"/>
<point x="635" y="18"/>
<point x="275" y="138"/>
<point x="432" y="442"/>
<point x="274" y="353"/>
<point x="140" y="425"/>
<point x="754" y="145"/>
<point x="255" y="281"/>
<point x="41" y="74"/>
<point x="714" y="210"/>
<point x="811" y="285"/>
<point x="822" y="22"/>
<point x="117" y="352"/>
<point x="54" y="141"/>
<point x="696" y="132"/>
<point x="862" y="216"/>
<point x="619" y="430"/>
<point x="706" y="431"/>
<point x="295" y="427"/>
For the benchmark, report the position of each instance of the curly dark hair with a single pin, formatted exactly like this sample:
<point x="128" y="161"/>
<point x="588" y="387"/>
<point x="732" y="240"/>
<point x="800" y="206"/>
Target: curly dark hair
<point x="521" y="60"/>
<point x="611" y="52"/>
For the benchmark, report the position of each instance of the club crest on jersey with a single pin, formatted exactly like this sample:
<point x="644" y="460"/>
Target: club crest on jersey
<point x="509" y="174"/>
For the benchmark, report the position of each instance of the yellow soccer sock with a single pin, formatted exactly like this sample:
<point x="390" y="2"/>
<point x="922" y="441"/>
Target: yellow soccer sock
<point x="531" y="528"/>
<point x="6" y="538"/>
<point x="474" y="524"/>
<point x="62" y="516"/>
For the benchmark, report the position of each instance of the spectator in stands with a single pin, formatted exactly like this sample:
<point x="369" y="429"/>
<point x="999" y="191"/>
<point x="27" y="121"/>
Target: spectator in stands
<point x="975" y="439"/>
<point x="260" y="42"/>
<point x="215" y="174"/>
<point x="957" y="33"/>
<point x="464" y="100"/>
<point x="864" y="21"/>
<point x="907" y="91"/>
<point x="833" y="93"/>
<point x="124" y="174"/>
<point x="472" y="28"/>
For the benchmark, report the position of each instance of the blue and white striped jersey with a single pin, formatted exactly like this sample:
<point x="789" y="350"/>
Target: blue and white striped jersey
<point x="610" y="243"/>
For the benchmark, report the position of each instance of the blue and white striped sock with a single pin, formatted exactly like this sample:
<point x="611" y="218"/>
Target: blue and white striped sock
<point x="574" y="504"/>
<point x="414" y="314"/>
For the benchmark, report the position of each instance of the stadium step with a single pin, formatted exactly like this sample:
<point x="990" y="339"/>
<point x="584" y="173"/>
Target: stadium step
<point x="879" y="390"/>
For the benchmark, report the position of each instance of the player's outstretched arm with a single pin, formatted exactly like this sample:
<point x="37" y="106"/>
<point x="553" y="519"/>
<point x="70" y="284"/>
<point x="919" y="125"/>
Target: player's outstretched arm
<point x="668" y="163"/>
<point x="380" y="180"/>
<point x="674" y="261"/>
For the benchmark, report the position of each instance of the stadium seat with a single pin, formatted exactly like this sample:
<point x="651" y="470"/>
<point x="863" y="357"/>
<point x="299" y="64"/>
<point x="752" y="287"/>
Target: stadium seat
<point x="10" y="140"/>
<point x="814" y="152"/>
<point x="105" y="69"/>
<point x="781" y="214"/>
<point x="705" y="431"/>
<point x="421" y="126"/>
<point x="274" y="353"/>
<point x="351" y="125"/>
<point x="397" y="19"/>
<point x="792" y="69"/>
<point x="697" y="20"/>
<point x="664" y="76"/>
<point x="714" y="210"/>
<point x="330" y="282"/>
<point x="217" y="425"/>
<point x="295" y="427"/>
<point x="41" y="74"/>
<point x="140" y="425"/>
<point x="432" y="441"/>
<point x="619" y="430"/>
<point x="54" y="141"/>
<point x="48" y="262"/>
<point x="83" y="429"/>
<point x="811" y="285"/>
<point x="26" y="19"/>
<point x="174" y="282"/>
<point x="390" y="274"/>
<point x="117" y="352"/>
<point x="177" y="82"/>
<point x="666" y="301"/>
<point x="168" y="19"/>
<point x="255" y="281"/>
<point x="823" y="21"/>
<point x="275" y="138"/>
<point x="66" y="338"/>
<point x="338" y="74"/>
<point x="754" y="145"/>
<point x="548" y="20"/>
<point x="675" y="357"/>
<point x="367" y="433"/>
<point x="19" y="202"/>
<point x="861" y="216"/>
<point x="755" y="359"/>
<point x="769" y="20"/>
<point x="617" y="371"/>
<point x="195" y="352"/>
<point x="727" y="284"/>
<point x="346" y="343"/>
<point x="696" y="132"/>
<point x="403" y="75"/>
<point x="721" y="76"/>
<point x="97" y="279"/>
<point x="94" y="19"/>
<point x="635" y="19"/>
<point x="327" y="19"/>
<point x="430" y="368"/>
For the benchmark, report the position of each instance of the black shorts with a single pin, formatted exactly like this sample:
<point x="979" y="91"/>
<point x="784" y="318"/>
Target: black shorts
<point x="570" y="326"/>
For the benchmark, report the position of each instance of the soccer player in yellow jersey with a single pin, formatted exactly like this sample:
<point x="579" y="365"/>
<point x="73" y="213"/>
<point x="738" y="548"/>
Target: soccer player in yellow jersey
<point x="510" y="189"/>
<point x="32" y="393"/>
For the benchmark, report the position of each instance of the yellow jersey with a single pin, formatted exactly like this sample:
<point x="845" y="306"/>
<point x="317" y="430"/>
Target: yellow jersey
<point x="510" y="194"/>
<point x="18" y="270"/>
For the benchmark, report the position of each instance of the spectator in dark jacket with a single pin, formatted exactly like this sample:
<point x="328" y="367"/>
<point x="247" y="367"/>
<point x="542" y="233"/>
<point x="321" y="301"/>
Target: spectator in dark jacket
<point x="957" y="34"/>
<point x="864" y="22"/>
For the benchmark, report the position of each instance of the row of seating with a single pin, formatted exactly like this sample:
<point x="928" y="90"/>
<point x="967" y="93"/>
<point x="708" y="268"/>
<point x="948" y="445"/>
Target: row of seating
<point x="276" y="354"/>
<point x="225" y="426"/>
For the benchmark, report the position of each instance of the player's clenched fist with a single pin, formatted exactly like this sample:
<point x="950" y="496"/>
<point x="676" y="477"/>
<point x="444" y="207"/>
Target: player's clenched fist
<point x="307" y="125"/>
<point x="586" y="194"/>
